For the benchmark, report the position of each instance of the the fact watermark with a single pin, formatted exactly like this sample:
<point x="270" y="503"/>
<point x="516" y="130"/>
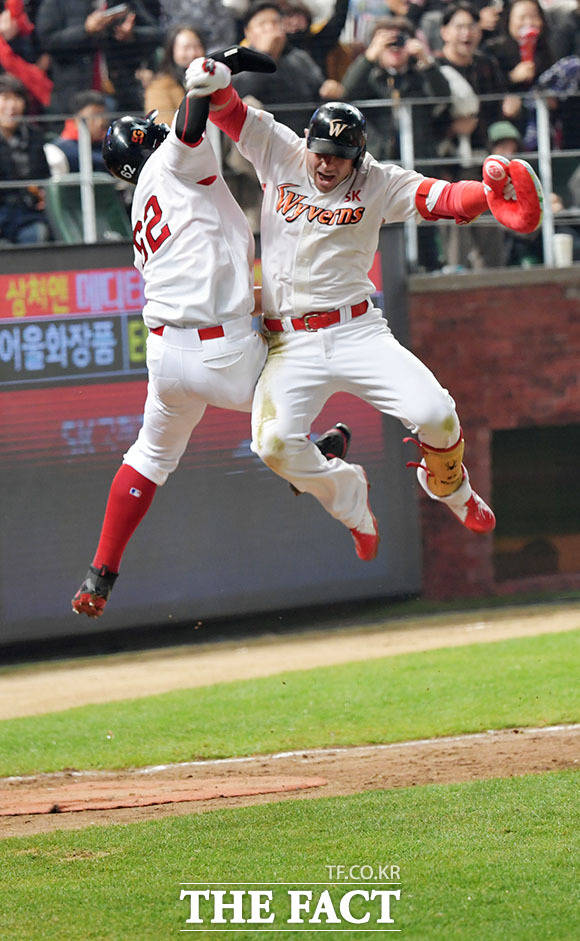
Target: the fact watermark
<point x="364" y="896"/>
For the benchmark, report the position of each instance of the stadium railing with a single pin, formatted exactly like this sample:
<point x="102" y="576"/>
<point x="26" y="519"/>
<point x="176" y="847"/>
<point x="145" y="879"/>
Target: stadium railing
<point x="87" y="221"/>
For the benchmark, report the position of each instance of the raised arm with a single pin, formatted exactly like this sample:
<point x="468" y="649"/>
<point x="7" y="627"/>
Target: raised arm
<point x="510" y="190"/>
<point x="227" y="111"/>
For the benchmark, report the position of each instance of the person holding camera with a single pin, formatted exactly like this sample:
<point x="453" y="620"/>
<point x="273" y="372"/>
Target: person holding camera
<point x="98" y="47"/>
<point x="397" y="65"/>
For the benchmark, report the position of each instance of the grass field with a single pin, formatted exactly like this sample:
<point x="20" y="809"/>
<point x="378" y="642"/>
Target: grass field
<point x="527" y="682"/>
<point x="485" y="860"/>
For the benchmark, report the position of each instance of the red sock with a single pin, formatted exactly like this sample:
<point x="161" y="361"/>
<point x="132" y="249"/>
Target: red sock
<point x="130" y="497"/>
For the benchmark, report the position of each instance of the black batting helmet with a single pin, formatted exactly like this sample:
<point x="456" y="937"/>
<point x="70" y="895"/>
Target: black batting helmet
<point x="130" y="142"/>
<point x="339" y="129"/>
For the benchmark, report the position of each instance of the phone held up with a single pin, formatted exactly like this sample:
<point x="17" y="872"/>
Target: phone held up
<point x="117" y="11"/>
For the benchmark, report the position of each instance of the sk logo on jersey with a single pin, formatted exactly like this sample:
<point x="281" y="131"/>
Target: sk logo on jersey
<point x="293" y="205"/>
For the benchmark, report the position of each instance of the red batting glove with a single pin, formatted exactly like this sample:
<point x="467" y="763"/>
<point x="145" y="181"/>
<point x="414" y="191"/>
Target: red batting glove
<point x="514" y="193"/>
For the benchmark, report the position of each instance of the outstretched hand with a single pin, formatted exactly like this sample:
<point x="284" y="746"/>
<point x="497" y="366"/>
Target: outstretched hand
<point x="514" y="193"/>
<point x="204" y="76"/>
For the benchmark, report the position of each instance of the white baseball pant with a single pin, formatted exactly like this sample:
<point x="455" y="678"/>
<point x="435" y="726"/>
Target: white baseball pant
<point x="185" y="375"/>
<point x="362" y="357"/>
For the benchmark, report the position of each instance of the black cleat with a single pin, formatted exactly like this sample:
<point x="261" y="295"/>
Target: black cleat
<point x="94" y="592"/>
<point x="333" y="443"/>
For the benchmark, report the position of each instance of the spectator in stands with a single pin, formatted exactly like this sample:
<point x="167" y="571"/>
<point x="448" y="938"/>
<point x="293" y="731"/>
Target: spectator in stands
<point x="431" y="19"/>
<point x="504" y="138"/>
<point x="318" y="40"/>
<point x="215" y="18"/>
<point x="165" y="91"/>
<point x="17" y="53"/>
<point x="22" y="219"/>
<point x="91" y="49"/>
<point x="522" y="48"/>
<point x="15" y="20"/>
<point x="297" y="79"/>
<point x="523" y="51"/>
<point x="365" y="13"/>
<point x="461" y="32"/>
<point x="470" y="73"/>
<point x="490" y="12"/>
<point x="427" y="15"/>
<point x="396" y="65"/>
<point x="63" y="153"/>
<point x="561" y="83"/>
<point x="411" y="11"/>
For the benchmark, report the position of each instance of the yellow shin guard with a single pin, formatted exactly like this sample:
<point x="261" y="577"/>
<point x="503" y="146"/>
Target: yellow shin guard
<point x="444" y="466"/>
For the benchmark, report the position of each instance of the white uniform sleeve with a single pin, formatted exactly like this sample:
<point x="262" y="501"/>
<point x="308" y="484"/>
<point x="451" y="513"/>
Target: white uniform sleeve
<point x="189" y="161"/>
<point x="400" y="190"/>
<point x="266" y="143"/>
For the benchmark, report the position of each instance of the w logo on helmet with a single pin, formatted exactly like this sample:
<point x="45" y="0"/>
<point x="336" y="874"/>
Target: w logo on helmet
<point x="336" y="127"/>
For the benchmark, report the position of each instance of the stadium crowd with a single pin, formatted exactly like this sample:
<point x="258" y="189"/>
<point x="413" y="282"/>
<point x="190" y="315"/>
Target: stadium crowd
<point x="476" y="64"/>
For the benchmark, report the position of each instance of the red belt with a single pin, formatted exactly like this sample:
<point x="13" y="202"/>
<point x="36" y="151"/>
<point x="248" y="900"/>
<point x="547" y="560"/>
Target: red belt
<point x="205" y="333"/>
<point x="316" y="320"/>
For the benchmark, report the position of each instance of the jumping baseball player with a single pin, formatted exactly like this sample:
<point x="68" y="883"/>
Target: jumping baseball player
<point x="325" y="200"/>
<point x="195" y="250"/>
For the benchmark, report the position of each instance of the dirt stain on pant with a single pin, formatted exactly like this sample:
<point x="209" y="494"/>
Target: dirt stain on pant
<point x="266" y="412"/>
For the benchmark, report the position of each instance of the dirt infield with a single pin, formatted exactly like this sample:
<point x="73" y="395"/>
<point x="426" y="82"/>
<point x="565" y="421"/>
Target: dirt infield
<point x="50" y="688"/>
<point x="198" y="787"/>
<point x="71" y="800"/>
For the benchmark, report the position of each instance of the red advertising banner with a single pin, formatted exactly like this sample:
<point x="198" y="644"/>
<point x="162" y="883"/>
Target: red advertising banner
<point x="88" y="423"/>
<point x="59" y="293"/>
<point x="101" y="291"/>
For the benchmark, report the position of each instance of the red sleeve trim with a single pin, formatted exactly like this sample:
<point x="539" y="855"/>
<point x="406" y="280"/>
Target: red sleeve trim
<point x="421" y="200"/>
<point x="187" y="143"/>
<point x="462" y="201"/>
<point x="230" y="119"/>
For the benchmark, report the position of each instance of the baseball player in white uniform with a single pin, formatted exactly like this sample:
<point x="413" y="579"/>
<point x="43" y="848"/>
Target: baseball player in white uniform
<point x="195" y="250"/>
<point x="325" y="200"/>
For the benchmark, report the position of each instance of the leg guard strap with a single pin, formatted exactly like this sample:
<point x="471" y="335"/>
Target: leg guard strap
<point x="443" y="465"/>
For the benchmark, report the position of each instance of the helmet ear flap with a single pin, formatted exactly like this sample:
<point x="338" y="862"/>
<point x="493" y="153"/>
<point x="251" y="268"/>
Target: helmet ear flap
<point x="358" y="160"/>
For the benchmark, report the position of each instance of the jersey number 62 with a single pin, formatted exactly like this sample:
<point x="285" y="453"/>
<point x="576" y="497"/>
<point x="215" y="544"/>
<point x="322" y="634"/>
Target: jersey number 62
<point x="154" y="236"/>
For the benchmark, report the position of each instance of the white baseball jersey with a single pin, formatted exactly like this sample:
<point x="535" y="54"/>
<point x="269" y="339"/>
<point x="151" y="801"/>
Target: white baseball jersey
<point x="302" y="269"/>
<point x="192" y="241"/>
